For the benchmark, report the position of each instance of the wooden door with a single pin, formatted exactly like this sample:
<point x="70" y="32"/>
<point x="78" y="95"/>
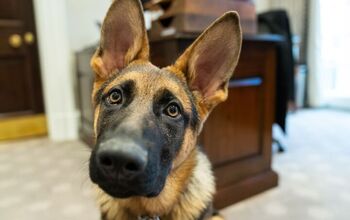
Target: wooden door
<point x="21" y="101"/>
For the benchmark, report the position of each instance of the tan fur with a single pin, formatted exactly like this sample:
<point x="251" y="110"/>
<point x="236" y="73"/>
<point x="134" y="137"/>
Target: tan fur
<point x="96" y="116"/>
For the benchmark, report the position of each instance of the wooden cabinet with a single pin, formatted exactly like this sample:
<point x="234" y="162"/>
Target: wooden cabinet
<point x="238" y="134"/>
<point x="85" y="80"/>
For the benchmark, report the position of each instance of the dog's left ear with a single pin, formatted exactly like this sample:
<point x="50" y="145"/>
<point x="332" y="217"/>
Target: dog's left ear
<point x="209" y="62"/>
<point x="123" y="39"/>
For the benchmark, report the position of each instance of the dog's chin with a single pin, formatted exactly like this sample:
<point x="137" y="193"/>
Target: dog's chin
<point x="116" y="191"/>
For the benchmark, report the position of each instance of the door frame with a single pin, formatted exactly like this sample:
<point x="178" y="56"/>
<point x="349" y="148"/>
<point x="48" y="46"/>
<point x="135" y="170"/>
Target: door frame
<point x="57" y="69"/>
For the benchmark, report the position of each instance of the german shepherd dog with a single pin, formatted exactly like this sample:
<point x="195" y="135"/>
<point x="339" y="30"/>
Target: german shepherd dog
<point x="146" y="163"/>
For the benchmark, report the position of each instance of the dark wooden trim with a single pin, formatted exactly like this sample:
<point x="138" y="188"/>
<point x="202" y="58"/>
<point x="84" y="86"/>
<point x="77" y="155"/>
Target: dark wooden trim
<point x="264" y="38"/>
<point x="37" y="90"/>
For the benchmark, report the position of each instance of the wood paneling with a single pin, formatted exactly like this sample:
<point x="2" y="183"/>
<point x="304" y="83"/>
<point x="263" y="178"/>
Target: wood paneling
<point x="229" y="119"/>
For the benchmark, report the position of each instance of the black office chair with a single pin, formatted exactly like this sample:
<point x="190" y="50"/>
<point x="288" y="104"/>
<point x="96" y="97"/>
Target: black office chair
<point x="277" y="22"/>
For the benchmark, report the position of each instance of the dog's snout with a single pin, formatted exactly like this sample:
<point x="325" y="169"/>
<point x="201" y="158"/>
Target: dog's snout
<point x="122" y="162"/>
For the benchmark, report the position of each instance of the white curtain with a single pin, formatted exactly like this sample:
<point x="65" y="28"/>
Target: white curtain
<point x="328" y="53"/>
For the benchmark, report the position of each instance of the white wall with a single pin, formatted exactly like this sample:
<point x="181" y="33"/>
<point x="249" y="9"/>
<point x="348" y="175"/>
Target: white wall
<point x="314" y="48"/>
<point x="262" y="5"/>
<point x="64" y="27"/>
<point x="55" y="68"/>
<point x="82" y="17"/>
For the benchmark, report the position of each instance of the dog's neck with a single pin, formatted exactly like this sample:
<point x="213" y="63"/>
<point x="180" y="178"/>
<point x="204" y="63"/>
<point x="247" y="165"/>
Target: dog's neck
<point x="187" y="193"/>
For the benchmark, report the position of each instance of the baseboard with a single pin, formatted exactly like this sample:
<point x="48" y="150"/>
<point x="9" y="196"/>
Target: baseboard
<point x="63" y="126"/>
<point x="245" y="189"/>
<point x="23" y="127"/>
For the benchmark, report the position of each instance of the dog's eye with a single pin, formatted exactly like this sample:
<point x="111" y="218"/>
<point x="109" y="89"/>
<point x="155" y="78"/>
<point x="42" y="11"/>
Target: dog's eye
<point x="172" y="110"/>
<point x="115" y="97"/>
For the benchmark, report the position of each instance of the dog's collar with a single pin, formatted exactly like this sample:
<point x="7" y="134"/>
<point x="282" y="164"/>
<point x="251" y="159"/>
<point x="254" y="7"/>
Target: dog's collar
<point x="148" y="218"/>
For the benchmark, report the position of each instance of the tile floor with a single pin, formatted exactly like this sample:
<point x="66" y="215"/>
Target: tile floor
<point x="42" y="180"/>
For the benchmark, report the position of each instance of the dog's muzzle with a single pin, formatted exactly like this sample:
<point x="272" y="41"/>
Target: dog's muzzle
<point x="120" y="160"/>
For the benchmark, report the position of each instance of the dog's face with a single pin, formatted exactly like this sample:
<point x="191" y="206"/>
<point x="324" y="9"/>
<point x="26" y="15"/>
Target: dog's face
<point x="144" y="113"/>
<point x="147" y="119"/>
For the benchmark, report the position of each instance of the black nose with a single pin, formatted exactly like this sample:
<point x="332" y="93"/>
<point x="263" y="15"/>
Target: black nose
<point x="121" y="164"/>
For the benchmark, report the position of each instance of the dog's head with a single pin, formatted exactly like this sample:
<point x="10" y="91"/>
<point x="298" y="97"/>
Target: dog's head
<point x="147" y="119"/>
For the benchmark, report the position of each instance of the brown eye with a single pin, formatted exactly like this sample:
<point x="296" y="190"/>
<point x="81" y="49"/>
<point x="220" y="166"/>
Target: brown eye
<point x="115" y="97"/>
<point x="172" y="110"/>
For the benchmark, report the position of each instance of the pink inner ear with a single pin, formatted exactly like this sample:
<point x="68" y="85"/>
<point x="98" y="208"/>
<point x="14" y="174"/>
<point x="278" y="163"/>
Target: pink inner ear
<point x="210" y="69"/>
<point x="118" y="39"/>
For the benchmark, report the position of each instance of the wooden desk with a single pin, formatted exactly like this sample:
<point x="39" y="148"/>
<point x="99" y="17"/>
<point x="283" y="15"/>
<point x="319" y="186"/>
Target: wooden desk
<point x="238" y="134"/>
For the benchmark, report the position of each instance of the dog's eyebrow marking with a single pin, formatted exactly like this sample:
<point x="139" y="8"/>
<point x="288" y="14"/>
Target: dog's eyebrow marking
<point x="164" y="96"/>
<point x="117" y="74"/>
<point x="127" y="86"/>
<point x="100" y="91"/>
<point x="140" y="68"/>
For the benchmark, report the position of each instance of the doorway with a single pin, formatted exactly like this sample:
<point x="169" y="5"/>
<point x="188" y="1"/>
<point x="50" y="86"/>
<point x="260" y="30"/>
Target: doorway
<point x="21" y="100"/>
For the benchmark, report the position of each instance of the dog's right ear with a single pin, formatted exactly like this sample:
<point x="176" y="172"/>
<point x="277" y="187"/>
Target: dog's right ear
<point x="123" y="39"/>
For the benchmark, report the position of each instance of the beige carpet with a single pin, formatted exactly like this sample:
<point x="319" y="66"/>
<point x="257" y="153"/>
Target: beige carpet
<point x="41" y="180"/>
<point x="314" y="172"/>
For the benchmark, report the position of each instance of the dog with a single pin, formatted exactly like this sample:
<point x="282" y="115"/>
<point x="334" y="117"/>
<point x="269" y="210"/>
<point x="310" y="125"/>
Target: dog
<point x="146" y="163"/>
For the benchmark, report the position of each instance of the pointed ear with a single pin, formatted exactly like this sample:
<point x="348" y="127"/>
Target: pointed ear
<point x="123" y="38"/>
<point x="209" y="62"/>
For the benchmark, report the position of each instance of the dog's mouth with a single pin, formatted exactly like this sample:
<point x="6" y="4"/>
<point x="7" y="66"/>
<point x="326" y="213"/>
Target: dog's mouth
<point x="121" y="189"/>
<point x="117" y="190"/>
